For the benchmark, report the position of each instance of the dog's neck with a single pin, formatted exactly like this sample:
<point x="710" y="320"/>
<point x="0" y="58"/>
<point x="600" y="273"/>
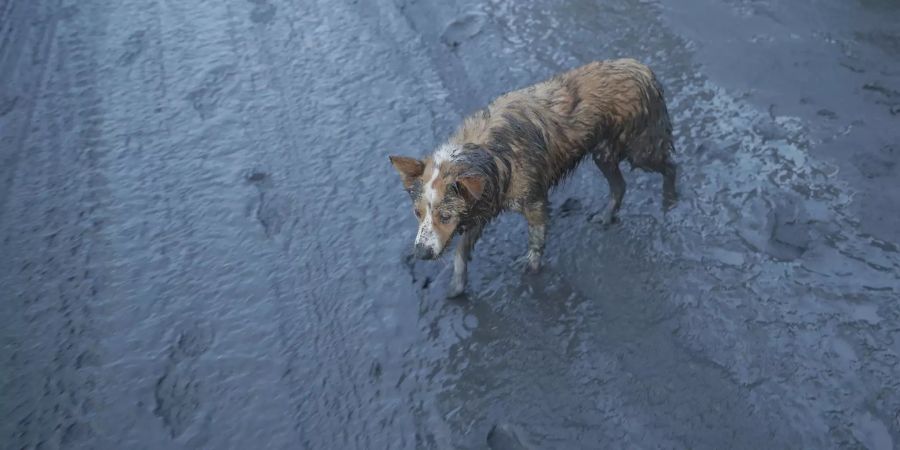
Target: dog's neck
<point x="477" y="161"/>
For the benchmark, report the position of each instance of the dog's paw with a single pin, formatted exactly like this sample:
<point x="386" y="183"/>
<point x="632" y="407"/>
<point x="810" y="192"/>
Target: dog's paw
<point x="604" y="218"/>
<point x="456" y="289"/>
<point x="669" y="201"/>
<point x="532" y="263"/>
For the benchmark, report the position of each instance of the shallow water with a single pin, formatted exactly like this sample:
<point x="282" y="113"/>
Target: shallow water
<point x="206" y="246"/>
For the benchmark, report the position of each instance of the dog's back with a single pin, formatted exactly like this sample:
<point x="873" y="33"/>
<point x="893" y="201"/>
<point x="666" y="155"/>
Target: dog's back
<point x="612" y="109"/>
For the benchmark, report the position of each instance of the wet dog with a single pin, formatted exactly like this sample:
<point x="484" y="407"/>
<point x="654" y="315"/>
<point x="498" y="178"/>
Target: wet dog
<point x="508" y="156"/>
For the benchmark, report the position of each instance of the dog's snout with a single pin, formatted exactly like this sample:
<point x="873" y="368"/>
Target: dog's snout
<point x="424" y="251"/>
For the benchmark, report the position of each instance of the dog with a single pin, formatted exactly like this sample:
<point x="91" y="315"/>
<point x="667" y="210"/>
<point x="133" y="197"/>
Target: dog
<point x="509" y="155"/>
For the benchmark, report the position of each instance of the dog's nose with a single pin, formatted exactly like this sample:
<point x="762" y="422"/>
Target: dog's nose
<point x="424" y="252"/>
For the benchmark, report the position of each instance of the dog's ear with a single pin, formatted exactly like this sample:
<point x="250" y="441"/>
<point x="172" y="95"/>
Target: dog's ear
<point x="409" y="168"/>
<point x="471" y="186"/>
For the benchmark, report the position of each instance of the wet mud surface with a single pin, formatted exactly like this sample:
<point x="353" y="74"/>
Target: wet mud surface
<point x="204" y="245"/>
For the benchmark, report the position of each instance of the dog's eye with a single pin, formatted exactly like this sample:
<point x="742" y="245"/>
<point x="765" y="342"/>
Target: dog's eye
<point x="445" y="217"/>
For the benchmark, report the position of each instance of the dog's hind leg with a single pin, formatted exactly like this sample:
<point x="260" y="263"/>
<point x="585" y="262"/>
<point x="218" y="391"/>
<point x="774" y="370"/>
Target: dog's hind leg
<point x="537" y="217"/>
<point x="610" y="169"/>
<point x="660" y="161"/>
<point x="669" y="172"/>
<point x="461" y="261"/>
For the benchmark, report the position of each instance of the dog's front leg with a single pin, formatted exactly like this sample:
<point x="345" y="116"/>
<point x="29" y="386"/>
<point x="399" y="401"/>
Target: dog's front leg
<point x="537" y="217"/>
<point x="461" y="261"/>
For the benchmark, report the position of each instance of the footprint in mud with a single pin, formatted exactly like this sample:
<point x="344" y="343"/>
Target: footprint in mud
<point x="270" y="209"/>
<point x="176" y="391"/>
<point x="7" y="104"/>
<point x="87" y="359"/>
<point x="789" y="235"/>
<point x="827" y="113"/>
<point x="192" y="341"/>
<point x="256" y="176"/>
<point x="463" y="28"/>
<point x="132" y="48"/>
<point x="880" y="89"/>
<point x="569" y="207"/>
<point x="769" y="130"/>
<point x="207" y="96"/>
<point x="263" y="13"/>
<point x="68" y="12"/>
<point x="507" y="437"/>
<point x="76" y="433"/>
<point x="273" y="213"/>
<point x="177" y="399"/>
<point x="876" y="166"/>
<point x="375" y="371"/>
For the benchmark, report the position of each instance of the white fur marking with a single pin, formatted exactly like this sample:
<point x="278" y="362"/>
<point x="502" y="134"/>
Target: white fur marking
<point x="429" y="186"/>
<point x="427" y="235"/>
<point x="445" y="152"/>
<point x="459" y="266"/>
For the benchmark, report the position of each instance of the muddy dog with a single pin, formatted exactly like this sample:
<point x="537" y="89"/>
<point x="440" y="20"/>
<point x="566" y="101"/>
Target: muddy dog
<point x="508" y="156"/>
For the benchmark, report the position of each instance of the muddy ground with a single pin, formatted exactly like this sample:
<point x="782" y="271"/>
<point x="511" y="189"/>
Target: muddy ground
<point x="204" y="246"/>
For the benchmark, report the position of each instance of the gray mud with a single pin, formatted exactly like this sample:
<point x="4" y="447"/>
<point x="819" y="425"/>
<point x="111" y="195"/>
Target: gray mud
<point x="204" y="245"/>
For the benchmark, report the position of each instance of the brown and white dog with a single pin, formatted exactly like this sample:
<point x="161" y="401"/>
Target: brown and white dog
<point x="509" y="155"/>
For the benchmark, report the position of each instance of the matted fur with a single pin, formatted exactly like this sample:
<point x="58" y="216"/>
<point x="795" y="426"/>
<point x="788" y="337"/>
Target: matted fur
<point x="509" y="155"/>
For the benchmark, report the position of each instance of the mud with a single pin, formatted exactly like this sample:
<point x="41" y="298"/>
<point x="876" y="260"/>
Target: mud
<point x="204" y="245"/>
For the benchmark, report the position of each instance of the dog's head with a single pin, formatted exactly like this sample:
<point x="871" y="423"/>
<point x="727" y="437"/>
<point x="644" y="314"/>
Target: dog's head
<point x="442" y="193"/>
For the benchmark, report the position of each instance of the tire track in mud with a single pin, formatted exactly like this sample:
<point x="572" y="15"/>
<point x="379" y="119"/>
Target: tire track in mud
<point x="24" y="49"/>
<point x="278" y="207"/>
<point x="280" y="186"/>
<point x="180" y="399"/>
<point x="312" y="69"/>
<point x="52" y="234"/>
<point x="203" y="306"/>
